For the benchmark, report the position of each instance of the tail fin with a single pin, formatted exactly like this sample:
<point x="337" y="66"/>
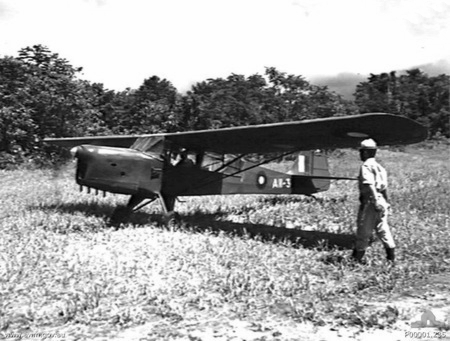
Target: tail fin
<point x="310" y="163"/>
<point x="310" y="173"/>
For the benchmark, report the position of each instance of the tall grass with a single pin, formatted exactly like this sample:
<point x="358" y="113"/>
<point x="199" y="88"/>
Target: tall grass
<point x="62" y="266"/>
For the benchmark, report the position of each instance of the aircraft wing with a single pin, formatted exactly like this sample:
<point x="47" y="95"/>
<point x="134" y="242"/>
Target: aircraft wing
<point x="323" y="133"/>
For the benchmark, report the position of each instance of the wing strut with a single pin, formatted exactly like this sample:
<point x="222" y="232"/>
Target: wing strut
<point x="224" y="176"/>
<point x="256" y="165"/>
<point x="240" y="156"/>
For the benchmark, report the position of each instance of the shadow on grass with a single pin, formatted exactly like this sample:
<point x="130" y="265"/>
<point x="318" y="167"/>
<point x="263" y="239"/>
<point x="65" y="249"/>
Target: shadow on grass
<point x="99" y="210"/>
<point x="295" y="237"/>
<point x="202" y="222"/>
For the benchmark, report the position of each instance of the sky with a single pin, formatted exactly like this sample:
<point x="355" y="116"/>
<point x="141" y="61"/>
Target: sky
<point x="329" y="42"/>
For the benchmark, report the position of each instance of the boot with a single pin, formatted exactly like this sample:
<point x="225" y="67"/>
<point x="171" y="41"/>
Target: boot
<point x="390" y="253"/>
<point x="358" y="255"/>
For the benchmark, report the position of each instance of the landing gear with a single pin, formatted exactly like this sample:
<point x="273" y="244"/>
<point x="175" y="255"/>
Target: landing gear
<point x="168" y="202"/>
<point x="122" y="213"/>
<point x="168" y="205"/>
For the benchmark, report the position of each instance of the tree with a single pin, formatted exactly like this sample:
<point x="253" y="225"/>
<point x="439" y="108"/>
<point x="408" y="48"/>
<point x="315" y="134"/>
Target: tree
<point x="227" y="102"/>
<point x="414" y="95"/>
<point x="16" y="129"/>
<point x="297" y="99"/>
<point x="54" y="92"/>
<point x="47" y="62"/>
<point x="40" y="96"/>
<point x="17" y="126"/>
<point x="274" y="97"/>
<point x="152" y="108"/>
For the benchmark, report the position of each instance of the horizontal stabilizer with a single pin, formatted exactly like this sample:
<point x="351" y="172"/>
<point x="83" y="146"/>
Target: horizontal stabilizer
<point x="325" y="177"/>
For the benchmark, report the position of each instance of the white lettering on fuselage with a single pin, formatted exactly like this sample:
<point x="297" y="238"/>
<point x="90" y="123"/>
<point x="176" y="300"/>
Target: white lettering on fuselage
<point x="281" y="183"/>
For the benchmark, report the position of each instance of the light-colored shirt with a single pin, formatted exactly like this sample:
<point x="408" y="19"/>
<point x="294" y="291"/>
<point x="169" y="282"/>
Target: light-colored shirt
<point x="372" y="173"/>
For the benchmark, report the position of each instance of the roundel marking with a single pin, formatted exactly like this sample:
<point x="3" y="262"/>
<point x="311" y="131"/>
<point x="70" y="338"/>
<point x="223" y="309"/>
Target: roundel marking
<point x="261" y="180"/>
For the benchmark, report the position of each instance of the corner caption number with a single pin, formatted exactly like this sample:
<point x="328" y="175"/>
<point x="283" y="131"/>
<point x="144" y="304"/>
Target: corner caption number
<point x="281" y="183"/>
<point x="425" y="335"/>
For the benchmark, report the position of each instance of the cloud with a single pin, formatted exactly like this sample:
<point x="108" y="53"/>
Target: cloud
<point x="430" y="20"/>
<point x="5" y="11"/>
<point x="434" y="69"/>
<point x="121" y="43"/>
<point x="97" y="2"/>
<point x="343" y="84"/>
<point x="421" y="18"/>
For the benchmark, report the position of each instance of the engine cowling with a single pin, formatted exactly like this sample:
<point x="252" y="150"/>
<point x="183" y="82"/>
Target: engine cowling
<point x="118" y="170"/>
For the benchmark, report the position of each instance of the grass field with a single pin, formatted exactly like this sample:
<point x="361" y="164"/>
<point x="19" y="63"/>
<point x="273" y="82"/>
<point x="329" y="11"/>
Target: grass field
<point x="248" y="267"/>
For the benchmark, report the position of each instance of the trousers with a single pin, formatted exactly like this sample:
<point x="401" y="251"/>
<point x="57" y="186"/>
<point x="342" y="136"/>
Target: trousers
<point x="370" y="220"/>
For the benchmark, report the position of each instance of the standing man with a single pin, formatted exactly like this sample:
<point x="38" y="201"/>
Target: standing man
<point x="373" y="210"/>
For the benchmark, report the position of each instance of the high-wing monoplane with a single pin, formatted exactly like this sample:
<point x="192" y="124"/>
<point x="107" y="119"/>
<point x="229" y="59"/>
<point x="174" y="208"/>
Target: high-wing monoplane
<point x="214" y="162"/>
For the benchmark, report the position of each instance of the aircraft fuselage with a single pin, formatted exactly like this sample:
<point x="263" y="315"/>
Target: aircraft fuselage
<point x="128" y="171"/>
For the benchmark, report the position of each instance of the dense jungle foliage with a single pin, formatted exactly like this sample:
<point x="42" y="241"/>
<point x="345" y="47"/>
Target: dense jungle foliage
<point x="41" y="96"/>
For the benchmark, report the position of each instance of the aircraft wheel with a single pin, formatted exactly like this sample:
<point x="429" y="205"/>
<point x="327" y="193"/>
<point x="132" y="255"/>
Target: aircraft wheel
<point x="171" y="219"/>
